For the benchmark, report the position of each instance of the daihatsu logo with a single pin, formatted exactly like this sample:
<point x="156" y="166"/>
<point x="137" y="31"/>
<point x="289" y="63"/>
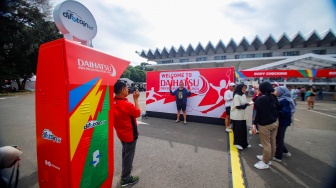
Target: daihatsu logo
<point x="76" y="18"/>
<point x="96" y="67"/>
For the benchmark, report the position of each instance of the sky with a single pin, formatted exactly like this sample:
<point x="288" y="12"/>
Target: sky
<point x="127" y="26"/>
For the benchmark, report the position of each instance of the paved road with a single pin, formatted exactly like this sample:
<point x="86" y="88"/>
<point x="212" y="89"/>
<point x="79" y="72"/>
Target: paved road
<point x="196" y="155"/>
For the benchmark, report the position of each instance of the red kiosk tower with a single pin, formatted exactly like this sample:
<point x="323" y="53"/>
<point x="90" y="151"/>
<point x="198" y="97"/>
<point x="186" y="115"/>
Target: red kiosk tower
<point x="74" y="92"/>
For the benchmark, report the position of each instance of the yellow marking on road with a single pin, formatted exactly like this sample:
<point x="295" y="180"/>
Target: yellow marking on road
<point x="236" y="169"/>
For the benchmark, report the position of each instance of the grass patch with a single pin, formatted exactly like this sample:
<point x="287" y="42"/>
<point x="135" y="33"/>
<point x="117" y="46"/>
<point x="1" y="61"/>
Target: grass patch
<point x="16" y="93"/>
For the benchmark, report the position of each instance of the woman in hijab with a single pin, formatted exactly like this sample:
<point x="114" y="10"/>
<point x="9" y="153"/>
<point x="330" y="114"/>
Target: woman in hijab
<point x="286" y="109"/>
<point x="238" y="117"/>
<point x="266" y="117"/>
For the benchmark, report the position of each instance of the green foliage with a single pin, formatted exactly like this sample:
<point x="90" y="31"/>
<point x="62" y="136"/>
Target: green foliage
<point x="137" y="73"/>
<point x="25" y="25"/>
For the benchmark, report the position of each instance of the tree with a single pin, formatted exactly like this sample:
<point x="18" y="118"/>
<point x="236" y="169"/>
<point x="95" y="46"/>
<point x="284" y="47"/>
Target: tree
<point x="26" y="25"/>
<point x="126" y="74"/>
<point x="136" y="74"/>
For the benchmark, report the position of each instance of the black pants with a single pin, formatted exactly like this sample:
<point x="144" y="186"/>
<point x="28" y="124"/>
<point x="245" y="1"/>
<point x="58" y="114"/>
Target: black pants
<point x="128" y="151"/>
<point x="303" y="96"/>
<point x="280" y="142"/>
<point x="239" y="133"/>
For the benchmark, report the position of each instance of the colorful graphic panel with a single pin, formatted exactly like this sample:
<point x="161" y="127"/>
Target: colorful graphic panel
<point x="74" y="127"/>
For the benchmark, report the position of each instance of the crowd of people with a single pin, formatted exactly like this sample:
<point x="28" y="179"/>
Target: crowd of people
<point x="273" y="107"/>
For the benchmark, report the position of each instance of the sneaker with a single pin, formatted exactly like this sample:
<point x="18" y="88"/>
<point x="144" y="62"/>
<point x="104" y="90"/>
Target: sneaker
<point x="287" y="154"/>
<point x="249" y="146"/>
<point x="231" y="125"/>
<point x="239" y="147"/>
<point x="276" y="159"/>
<point x="261" y="165"/>
<point x="131" y="181"/>
<point x="228" y="130"/>
<point x="260" y="157"/>
<point x="261" y="145"/>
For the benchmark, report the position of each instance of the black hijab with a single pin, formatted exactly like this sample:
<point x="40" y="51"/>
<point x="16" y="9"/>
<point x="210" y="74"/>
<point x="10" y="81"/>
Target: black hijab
<point x="239" y="89"/>
<point x="266" y="88"/>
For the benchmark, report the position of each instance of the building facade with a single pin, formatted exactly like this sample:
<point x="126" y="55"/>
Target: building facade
<point x="245" y="55"/>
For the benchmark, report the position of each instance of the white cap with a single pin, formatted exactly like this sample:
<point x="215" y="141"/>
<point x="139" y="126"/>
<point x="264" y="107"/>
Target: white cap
<point x="232" y="84"/>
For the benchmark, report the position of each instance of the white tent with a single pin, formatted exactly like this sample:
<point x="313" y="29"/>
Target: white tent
<point x="30" y="84"/>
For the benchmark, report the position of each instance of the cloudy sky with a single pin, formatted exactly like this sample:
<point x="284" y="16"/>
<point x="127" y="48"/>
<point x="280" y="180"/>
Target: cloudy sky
<point x="126" y="26"/>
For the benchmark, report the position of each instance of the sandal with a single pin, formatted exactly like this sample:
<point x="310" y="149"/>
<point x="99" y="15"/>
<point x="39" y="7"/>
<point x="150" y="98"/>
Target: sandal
<point x="177" y="121"/>
<point x="185" y="123"/>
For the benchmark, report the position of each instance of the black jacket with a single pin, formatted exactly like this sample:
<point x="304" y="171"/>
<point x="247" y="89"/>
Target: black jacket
<point x="267" y="107"/>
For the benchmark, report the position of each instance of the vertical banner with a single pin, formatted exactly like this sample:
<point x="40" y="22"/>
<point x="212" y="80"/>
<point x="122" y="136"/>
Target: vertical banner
<point x="207" y="88"/>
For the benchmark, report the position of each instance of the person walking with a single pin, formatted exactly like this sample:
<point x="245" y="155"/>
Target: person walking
<point x="228" y="97"/>
<point x="239" y="117"/>
<point x="125" y="124"/>
<point x="266" y="117"/>
<point x="294" y="93"/>
<point x="311" y="98"/>
<point x="181" y="94"/>
<point x="303" y="93"/>
<point x="286" y="110"/>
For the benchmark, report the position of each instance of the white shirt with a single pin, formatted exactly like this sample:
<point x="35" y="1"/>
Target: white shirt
<point x="228" y="95"/>
<point x="238" y="114"/>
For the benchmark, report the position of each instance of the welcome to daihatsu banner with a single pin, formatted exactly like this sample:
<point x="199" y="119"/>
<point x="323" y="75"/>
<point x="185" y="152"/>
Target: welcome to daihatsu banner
<point x="207" y="88"/>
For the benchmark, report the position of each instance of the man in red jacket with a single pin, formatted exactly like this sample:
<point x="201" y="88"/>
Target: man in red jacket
<point x="125" y="124"/>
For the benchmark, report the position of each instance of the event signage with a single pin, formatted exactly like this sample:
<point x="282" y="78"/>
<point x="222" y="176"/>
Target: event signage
<point x="207" y="88"/>
<point x="308" y="73"/>
<point x="328" y="73"/>
<point x="74" y="123"/>
<point x="71" y="17"/>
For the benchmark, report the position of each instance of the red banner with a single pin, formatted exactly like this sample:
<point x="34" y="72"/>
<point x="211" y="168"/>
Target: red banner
<point x="307" y="73"/>
<point x="207" y="88"/>
<point x="271" y="73"/>
<point x="328" y="73"/>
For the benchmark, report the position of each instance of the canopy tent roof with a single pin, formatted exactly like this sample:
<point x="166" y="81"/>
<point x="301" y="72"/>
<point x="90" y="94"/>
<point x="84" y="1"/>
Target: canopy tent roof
<point x="306" y="61"/>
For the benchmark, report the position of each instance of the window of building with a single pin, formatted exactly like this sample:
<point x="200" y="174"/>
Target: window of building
<point x="236" y="56"/>
<point x="321" y="52"/>
<point x="267" y="54"/>
<point x="201" y="58"/>
<point x="223" y="57"/>
<point x="184" y="60"/>
<point x="242" y="56"/>
<point x="167" y="62"/>
<point x="258" y="55"/>
<point x="291" y="53"/>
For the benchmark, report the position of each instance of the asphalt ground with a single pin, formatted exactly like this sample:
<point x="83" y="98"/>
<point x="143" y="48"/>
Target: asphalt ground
<point x="171" y="154"/>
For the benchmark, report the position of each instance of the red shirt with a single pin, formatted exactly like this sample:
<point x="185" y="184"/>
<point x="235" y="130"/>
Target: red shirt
<point x="125" y="124"/>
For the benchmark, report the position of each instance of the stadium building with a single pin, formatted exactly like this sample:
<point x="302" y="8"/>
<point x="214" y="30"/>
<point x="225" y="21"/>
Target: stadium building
<point x="298" y="52"/>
